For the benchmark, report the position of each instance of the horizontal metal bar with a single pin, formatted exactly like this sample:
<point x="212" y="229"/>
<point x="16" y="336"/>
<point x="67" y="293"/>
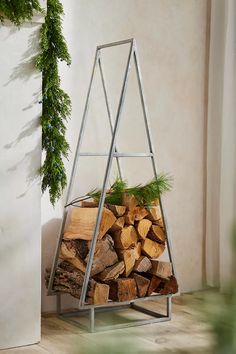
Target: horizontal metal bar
<point x="113" y="44"/>
<point x="117" y="326"/>
<point x="146" y="311"/>
<point x="77" y="313"/>
<point x="115" y="304"/>
<point x="117" y="154"/>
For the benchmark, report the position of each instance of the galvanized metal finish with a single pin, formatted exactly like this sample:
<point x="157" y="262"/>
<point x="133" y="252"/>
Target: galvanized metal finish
<point x="74" y="317"/>
<point x="118" y="154"/>
<point x="109" y="114"/>
<point x="105" y="182"/>
<point x="113" y="153"/>
<point x="70" y="186"/>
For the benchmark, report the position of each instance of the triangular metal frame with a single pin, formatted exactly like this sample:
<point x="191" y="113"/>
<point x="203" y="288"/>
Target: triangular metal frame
<point x="113" y="153"/>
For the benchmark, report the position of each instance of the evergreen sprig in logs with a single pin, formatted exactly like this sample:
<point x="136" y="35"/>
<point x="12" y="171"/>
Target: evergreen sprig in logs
<point x="145" y="194"/>
<point x="56" y="103"/>
<point x="18" y="11"/>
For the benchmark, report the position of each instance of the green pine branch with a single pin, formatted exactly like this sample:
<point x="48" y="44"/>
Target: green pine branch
<point x="145" y="194"/>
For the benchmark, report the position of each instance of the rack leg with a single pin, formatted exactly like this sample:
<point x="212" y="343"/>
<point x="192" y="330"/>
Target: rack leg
<point x="91" y="320"/>
<point x="58" y="303"/>
<point x="169" y="306"/>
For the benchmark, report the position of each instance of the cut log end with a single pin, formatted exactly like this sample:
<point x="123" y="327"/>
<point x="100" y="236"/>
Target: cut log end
<point x="123" y="289"/>
<point x="152" y="249"/>
<point x="142" y="284"/>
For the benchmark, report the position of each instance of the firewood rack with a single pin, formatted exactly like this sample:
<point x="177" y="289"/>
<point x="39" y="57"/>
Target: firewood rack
<point x="135" y="304"/>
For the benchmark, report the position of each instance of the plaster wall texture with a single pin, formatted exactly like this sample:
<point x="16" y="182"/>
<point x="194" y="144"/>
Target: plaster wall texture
<point x="20" y="157"/>
<point x="171" y="40"/>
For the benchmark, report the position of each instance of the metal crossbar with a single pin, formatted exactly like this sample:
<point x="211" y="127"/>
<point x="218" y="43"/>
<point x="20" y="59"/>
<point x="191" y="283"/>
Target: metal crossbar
<point x="113" y="153"/>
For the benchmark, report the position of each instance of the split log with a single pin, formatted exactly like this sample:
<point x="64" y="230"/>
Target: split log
<point x="152" y="249"/>
<point x="81" y="247"/>
<point x="125" y="238"/>
<point x="118" y="225"/>
<point x="112" y="272"/>
<point x="104" y="255"/>
<point x="117" y="210"/>
<point x="135" y="214"/>
<point x="128" y="256"/>
<point x="143" y="227"/>
<point x="142" y="284"/>
<point x="154" y="283"/>
<point x="129" y="201"/>
<point x="157" y="234"/>
<point x="170" y="287"/>
<point x="159" y="222"/>
<point x="67" y="279"/>
<point x="123" y="289"/>
<point x="143" y="264"/>
<point x="98" y="293"/>
<point x="89" y="204"/>
<point x="137" y="250"/>
<point x="154" y="213"/>
<point x="139" y="213"/>
<point x="82" y="223"/>
<point x="129" y="218"/>
<point x="161" y="269"/>
<point x="69" y="253"/>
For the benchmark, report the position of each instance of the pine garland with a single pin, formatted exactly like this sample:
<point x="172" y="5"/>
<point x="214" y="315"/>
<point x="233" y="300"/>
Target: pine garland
<point x="18" y="11"/>
<point x="56" y="103"/>
<point x="145" y="194"/>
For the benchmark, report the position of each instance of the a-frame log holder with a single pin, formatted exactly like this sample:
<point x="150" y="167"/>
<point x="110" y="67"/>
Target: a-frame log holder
<point x="113" y="153"/>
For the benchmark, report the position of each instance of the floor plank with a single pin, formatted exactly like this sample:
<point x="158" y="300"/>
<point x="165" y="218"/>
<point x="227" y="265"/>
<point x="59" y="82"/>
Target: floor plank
<point x="185" y="333"/>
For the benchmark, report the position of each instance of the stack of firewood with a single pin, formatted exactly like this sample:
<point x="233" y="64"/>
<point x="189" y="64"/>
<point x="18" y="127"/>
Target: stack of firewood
<point x="126" y="262"/>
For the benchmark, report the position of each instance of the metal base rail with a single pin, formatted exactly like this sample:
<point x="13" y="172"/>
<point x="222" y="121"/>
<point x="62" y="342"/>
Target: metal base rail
<point x="113" y="153"/>
<point x="91" y="312"/>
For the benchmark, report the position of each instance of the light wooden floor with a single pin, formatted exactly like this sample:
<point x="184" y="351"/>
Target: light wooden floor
<point x="185" y="333"/>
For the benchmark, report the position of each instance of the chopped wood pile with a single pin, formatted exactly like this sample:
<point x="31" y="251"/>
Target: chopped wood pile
<point x="126" y="261"/>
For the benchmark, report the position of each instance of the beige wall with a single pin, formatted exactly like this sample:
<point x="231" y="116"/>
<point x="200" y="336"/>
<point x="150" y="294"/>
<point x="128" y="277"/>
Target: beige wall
<point x="20" y="158"/>
<point x="171" y="37"/>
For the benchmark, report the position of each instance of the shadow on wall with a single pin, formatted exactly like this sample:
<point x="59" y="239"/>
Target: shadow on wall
<point x="50" y="232"/>
<point x="26" y="68"/>
<point x="24" y="72"/>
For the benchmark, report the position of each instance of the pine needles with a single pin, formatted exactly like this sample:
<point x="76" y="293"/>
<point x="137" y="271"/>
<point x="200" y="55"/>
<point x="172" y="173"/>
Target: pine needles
<point x="18" y="11"/>
<point x="145" y="194"/>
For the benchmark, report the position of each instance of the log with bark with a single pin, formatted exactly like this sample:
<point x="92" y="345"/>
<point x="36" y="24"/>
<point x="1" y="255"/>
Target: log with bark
<point x="142" y="284"/>
<point x="142" y="265"/>
<point x="112" y="272"/>
<point x="123" y="289"/>
<point x="161" y="269"/>
<point x="104" y="256"/>
<point x="68" y="252"/>
<point x="170" y="286"/>
<point x="128" y="256"/>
